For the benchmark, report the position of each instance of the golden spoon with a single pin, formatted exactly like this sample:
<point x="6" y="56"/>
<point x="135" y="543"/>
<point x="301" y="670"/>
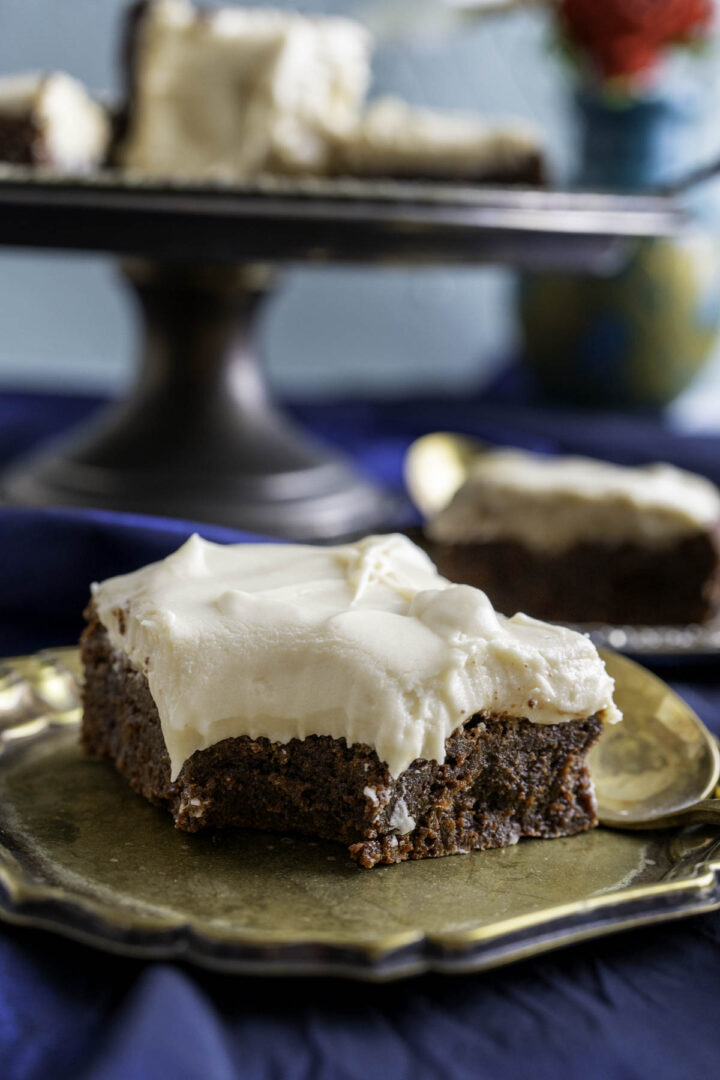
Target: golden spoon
<point x="659" y="767"/>
<point x="436" y="465"/>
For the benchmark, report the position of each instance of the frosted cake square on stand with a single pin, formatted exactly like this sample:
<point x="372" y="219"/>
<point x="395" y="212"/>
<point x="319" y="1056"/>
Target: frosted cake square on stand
<point x="228" y="93"/>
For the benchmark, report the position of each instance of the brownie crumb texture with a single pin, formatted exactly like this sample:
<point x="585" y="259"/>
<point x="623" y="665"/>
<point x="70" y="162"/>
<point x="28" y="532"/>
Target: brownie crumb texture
<point x="502" y="778"/>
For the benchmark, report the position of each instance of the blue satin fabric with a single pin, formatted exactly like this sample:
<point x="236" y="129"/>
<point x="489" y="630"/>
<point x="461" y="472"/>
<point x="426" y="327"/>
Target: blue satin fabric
<point x="643" y="1004"/>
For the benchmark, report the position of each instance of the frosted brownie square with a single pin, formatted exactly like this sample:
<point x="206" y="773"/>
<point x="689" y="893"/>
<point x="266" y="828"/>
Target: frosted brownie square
<point x="348" y="693"/>
<point x="51" y="120"/>
<point x="572" y="539"/>
<point x="393" y="139"/>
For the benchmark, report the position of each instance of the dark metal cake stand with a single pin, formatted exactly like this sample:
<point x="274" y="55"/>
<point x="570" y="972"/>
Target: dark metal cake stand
<point x="200" y="435"/>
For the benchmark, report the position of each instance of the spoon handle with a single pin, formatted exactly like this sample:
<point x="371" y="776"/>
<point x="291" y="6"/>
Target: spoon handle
<point x="706" y="812"/>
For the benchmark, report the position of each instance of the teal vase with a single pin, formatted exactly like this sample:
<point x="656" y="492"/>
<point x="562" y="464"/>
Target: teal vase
<point x="636" y="338"/>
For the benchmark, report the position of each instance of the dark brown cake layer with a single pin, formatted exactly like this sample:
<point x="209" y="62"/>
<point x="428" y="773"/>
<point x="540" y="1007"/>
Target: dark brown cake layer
<point x="502" y="778"/>
<point x="528" y="170"/>
<point x="21" y="141"/>
<point x="592" y="582"/>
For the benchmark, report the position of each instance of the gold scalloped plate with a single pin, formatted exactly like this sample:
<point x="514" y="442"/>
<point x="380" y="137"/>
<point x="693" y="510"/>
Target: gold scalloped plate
<point x="81" y="855"/>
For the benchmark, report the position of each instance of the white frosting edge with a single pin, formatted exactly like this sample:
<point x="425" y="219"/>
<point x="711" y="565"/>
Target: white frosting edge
<point x="552" y="503"/>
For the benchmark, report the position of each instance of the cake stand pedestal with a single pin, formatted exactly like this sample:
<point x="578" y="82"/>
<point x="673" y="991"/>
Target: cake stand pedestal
<point x="200" y="436"/>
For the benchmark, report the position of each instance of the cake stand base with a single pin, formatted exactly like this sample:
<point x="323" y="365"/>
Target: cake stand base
<point x="200" y="437"/>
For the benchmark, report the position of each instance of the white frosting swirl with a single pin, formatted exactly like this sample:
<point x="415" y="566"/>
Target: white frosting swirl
<point x="364" y="642"/>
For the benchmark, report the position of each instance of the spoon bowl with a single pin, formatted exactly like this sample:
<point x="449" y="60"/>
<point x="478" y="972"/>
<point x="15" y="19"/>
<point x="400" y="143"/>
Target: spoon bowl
<point x="436" y="466"/>
<point x="661" y="764"/>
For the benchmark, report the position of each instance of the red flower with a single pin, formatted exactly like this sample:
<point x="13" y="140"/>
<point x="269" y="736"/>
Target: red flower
<point x="625" y="37"/>
<point x="628" y="55"/>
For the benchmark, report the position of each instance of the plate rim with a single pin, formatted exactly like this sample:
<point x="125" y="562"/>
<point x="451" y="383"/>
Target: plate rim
<point x="657" y="643"/>
<point x="27" y="900"/>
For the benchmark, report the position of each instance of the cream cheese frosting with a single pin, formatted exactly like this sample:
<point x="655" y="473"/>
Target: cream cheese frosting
<point x="396" y="139"/>
<point x="364" y="642"/>
<point x="230" y="92"/>
<point x="552" y="503"/>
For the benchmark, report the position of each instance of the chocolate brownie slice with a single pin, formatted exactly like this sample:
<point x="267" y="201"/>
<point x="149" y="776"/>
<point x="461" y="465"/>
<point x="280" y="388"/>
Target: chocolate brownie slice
<point x="502" y="779"/>
<point x="571" y="539"/>
<point x="345" y="692"/>
<point x="593" y="582"/>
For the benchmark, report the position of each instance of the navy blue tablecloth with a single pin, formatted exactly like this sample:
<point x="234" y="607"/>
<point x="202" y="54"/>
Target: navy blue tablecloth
<point x="642" y="1004"/>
